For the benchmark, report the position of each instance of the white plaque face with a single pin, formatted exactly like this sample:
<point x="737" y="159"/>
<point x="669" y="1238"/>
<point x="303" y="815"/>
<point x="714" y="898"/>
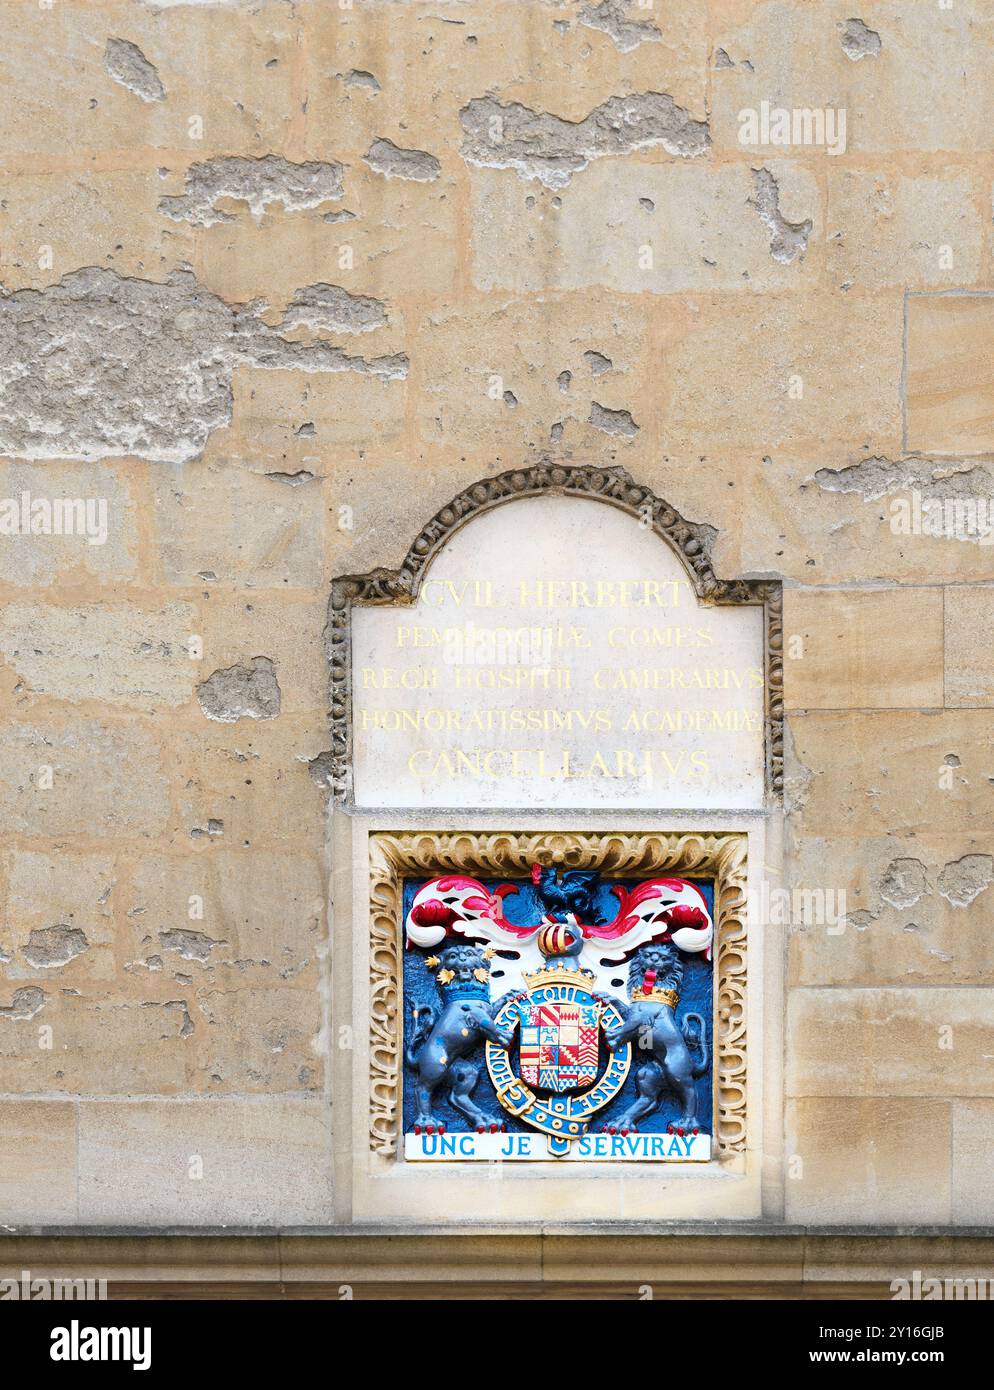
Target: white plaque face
<point x="558" y="657"/>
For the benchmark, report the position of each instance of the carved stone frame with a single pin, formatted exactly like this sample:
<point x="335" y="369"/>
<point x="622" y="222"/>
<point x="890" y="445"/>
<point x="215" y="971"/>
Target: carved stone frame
<point x="611" y="485"/>
<point x="394" y="856"/>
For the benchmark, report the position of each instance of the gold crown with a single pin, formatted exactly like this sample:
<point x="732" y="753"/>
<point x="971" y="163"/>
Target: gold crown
<point x="562" y="973"/>
<point x="657" y="996"/>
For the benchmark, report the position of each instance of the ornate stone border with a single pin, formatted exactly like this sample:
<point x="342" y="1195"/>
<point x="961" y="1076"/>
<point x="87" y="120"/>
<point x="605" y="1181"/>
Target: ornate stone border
<point x="611" y="485"/>
<point x="396" y="856"/>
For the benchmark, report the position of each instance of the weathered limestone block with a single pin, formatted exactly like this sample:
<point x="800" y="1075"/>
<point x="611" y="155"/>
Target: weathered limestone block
<point x="650" y="228"/>
<point x="59" y="926"/>
<point x="242" y="629"/>
<point x="97" y="777"/>
<point x="348" y="409"/>
<point x="793" y="56"/>
<point x="37" y="1162"/>
<point x="106" y="218"/>
<point x="885" y="916"/>
<point x="950" y="404"/>
<point x="262" y="1039"/>
<point x="116" y="653"/>
<point x="513" y="374"/>
<point x="371" y="241"/>
<point x="849" y="650"/>
<point x="222" y="90"/>
<point x="969" y="641"/>
<point x="894" y="772"/>
<point x="889" y="1157"/>
<point x="227" y="918"/>
<point x="231" y="524"/>
<point x="853" y="514"/>
<point x="779" y="371"/>
<point x="889" y="1042"/>
<point x="246" y="785"/>
<point x="102" y="1042"/>
<point x="103" y="549"/>
<point x="255" y="1162"/>
<point x="918" y="231"/>
<point x="972" y="1199"/>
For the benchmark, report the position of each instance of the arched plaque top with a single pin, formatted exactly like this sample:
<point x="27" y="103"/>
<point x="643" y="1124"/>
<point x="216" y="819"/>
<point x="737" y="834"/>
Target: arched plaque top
<point x="555" y="656"/>
<point x="611" y="485"/>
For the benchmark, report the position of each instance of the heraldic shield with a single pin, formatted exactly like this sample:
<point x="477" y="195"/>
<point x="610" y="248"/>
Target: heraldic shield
<point x="555" y="1091"/>
<point x="559" y="1044"/>
<point x="559" y="1041"/>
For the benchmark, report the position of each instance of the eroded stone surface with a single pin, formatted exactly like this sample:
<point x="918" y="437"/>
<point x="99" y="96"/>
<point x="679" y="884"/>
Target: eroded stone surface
<point x="256" y="182"/>
<point x="618" y="422"/>
<point x="904" y="883"/>
<point x="542" y="146"/>
<point x="966" y="878"/>
<point x="51" y="946"/>
<point x="386" y="158"/>
<point x="947" y="490"/>
<point x="788" y="240"/>
<point x="102" y="364"/>
<point x="358" y="77"/>
<point x="118" y="653"/>
<point x="241" y="692"/>
<point x="333" y="308"/>
<point x="611" y="17"/>
<point x="859" y="40"/>
<point x="191" y="945"/>
<point x="645" y="226"/>
<point x="128" y="65"/>
<point x="24" y="1004"/>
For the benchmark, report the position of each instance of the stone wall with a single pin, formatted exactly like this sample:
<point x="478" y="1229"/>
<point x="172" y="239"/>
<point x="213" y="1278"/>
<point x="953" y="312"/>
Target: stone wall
<point x="279" y="279"/>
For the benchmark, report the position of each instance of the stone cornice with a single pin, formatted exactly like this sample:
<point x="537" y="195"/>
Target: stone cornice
<point x="716" y="1260"/>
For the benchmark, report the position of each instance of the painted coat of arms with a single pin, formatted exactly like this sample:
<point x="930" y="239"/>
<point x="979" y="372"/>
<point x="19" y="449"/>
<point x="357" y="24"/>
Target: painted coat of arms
<point x="558" y="1044"/>
<point x="563" y="1017"/>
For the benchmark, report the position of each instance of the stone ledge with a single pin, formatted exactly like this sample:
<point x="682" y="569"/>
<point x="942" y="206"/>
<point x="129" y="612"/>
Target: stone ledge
<point x="745" y="1261"/>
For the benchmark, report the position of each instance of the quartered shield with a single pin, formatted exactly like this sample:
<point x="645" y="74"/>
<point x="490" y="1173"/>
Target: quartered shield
<point x="558" y="1045"/>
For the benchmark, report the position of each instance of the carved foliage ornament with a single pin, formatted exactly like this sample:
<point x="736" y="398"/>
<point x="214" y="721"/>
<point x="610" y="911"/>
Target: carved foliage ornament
<point x="611" y="485"/>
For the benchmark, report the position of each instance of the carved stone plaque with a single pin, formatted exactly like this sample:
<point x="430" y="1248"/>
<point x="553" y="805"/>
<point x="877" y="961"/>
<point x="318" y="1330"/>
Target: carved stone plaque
<point x="557" y="996"/>
<point x="592" y="1001"/>
<point x="558" y="654"/>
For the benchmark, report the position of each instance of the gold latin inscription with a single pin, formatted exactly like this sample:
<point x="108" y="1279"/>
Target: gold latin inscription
<point x="641" y="693"/>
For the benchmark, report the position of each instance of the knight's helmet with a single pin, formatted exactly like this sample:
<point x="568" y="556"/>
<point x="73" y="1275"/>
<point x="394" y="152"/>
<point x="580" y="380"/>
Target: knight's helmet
<point x="560" y="940"/>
